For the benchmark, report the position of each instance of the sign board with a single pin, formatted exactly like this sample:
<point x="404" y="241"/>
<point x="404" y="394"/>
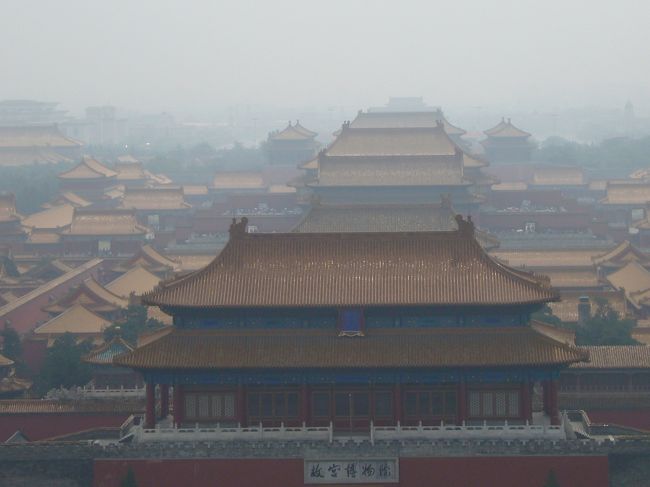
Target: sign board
<point x="352" y="471"/>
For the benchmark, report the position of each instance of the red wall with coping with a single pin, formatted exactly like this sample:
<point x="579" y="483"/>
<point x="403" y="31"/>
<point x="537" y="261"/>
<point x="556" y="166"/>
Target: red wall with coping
<point x="523" y="471"/>
<point x="634" y="418"/>
<point x="41" y="426"/>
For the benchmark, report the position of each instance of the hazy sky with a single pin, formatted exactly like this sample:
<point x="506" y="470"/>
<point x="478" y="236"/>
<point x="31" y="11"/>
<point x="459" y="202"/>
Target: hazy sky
<point x="155" y="55"/>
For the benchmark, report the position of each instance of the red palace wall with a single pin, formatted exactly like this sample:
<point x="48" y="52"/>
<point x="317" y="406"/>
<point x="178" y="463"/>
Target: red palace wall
<point x="634" y="418"/>
<point x="523" y="471"/>
<point x="27" y="316"/>
<point x="41" y="426"/>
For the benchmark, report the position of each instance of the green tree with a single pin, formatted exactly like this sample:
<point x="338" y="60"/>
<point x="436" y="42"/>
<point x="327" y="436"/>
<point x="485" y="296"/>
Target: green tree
<point x="606" y="327"/>
<point x="551" y="480"/>
<point x="133" y="324"/>
<point x="546" y="315"/>
<point x="129" y="479"/>
<point x="63" y="365"/>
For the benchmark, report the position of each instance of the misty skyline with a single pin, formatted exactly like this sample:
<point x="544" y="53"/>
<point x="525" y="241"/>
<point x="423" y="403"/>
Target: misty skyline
<point x="201" y="57"/>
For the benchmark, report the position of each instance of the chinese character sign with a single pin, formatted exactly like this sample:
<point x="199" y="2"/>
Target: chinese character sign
<point x="351" y="471"/>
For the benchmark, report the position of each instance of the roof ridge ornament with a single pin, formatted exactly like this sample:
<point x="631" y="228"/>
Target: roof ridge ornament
<point x="465" y="226"/>
<point x="238" y="229"/>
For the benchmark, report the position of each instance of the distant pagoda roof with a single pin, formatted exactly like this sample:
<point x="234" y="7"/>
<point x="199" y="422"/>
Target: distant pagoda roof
<point x="88" y="168"/>
<point x="129" y="170"/>
<point x="392" y="141"/>
<point x="505" y="128"/>
<point x="378" y="348"/>
<point x="154" y="199"/>
<point x="105" y="222"/>
<point x="352" y="269"/>
<point x="293" y="132"/>
<point x="391" y="157"/>
<point x="424" y="119"/>
<point x="46" y="136"/>
<point x="105" y="354"/>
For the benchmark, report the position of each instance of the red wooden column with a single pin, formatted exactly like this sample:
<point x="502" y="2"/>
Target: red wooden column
<point x="241" y="405"/>
<point x="164" y="400"/>
<point x="305" y="406"/>
<point x="397" y="403"/>
<point x="526" y="401"/>
<point x="150" y="411"/>
<point x="545" y="397"/>
<point x="462" y="401"/>
<point x="554" y="410"/>
<point x="178" y="405"/>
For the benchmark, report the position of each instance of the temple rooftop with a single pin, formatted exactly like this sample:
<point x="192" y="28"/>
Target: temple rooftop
<point x="352" y="269"/>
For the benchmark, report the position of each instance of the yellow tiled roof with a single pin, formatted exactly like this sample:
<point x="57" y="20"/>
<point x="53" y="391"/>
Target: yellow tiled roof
<point x="57" y="217"/>
<point x="154" y="199"/>
<point x="558" y="176"/>
<point x="105" y="222"/>
<point x="238" y="180"/>
<point x="137" y="281"/>
<point x="76" y="320"/>
<point x="352" y="269"/>
<point x="88" y="168"/>
<point x="403" y="348"/>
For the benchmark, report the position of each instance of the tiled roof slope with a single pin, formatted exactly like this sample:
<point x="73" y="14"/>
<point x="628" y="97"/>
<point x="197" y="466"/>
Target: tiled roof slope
<point x="105" y="222"/>
<point x="136" y="281"/>
<point x="381" y="172"/>
<point x="635" y="280"/>
<point x="369" y="218"/>
<point x="88" y="168"/>
<point x="347" y="269"/>
<point x="154" y="199"/>
<point x="35" y="136"/>
<point x="372" y="120"/>
<point x="106" y="406"/>
<point x="429" y="141"/>
<point x="107" y="352"/>
<point x="616" y="357"/>
<point x="404" y="348"/>
<point x="76" y="319"/>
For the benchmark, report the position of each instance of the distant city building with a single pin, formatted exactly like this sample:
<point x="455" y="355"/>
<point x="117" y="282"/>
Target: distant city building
<point x="30" y="112"/>
<point x="100" y="127"/>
